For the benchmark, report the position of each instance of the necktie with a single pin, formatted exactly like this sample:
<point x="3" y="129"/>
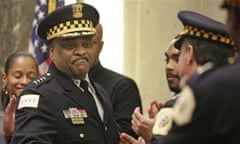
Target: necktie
<point x="88" y="97"/>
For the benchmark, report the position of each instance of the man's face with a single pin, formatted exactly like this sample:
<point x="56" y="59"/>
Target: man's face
<point x="72" y="56"/>
<point x="173" y="79"/>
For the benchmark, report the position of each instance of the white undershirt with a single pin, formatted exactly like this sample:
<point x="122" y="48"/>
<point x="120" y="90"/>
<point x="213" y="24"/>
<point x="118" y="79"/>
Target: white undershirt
<point x="93" y="92"/>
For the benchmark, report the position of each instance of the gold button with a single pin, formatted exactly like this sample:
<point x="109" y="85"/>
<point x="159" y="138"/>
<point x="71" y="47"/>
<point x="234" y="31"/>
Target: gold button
<point x="81" y="135"/>
<point x="105" y="128"/>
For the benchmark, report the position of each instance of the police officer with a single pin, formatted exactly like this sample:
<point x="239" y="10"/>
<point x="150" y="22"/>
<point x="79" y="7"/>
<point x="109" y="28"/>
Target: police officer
<point x="215" y="95"/>
<point x="208" y="109"/>
<point x="64" y="106"/>
<point x="205" y="45"/>
<point x="193" y="114"/>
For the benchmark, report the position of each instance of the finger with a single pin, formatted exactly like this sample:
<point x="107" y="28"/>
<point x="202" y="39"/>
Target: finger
<point x="156" y="104"/>
<point x="128" y="138"/>
<point x="137" y="115"/>
<point x="134" y="116"/>
<point x="141" y="140"/>
<point x="123" y="139"/>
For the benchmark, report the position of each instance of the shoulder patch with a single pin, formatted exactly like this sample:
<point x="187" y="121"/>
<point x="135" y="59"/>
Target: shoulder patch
<point x="184" y="107"/>
<point x="42" y="79"/>
<point x="163" y="121"/>
<point x="28" y="101"/>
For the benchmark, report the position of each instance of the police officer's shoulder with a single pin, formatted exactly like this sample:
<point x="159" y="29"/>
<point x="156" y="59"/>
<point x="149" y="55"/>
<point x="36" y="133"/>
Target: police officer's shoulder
<point x="201" y="73"/>
<point x="42" y="79"/>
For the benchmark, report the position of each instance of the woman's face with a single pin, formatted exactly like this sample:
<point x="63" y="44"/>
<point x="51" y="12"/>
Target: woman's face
<point x="21" y="71"/>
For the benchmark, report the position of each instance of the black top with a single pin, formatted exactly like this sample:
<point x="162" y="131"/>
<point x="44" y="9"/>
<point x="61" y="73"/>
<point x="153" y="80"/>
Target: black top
<point x="124" y="95"/>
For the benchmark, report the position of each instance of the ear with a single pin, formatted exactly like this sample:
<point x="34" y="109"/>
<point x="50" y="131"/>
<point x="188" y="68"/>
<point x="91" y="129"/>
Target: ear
<point x="51" y="51"/>
<point x="101" y="46"/>
<point x="4" y="78"/>
<point x="191" y="55"/>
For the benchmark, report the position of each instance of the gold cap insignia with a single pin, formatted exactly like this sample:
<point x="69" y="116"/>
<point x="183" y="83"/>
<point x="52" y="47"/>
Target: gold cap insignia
<point x="77" y="10"/>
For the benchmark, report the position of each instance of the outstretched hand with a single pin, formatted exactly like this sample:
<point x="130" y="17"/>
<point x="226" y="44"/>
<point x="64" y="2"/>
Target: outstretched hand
<point x="9" y="118"/>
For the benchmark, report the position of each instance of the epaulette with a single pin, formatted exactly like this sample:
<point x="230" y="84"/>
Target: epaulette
<point x="42" y="79"/>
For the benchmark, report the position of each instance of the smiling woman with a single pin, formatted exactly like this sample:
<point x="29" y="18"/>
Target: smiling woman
<point x="20" y="68"/>
<point x="112" y="53"/>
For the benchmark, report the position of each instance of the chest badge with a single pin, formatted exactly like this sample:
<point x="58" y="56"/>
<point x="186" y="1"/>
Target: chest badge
<point x="77" y="116"/>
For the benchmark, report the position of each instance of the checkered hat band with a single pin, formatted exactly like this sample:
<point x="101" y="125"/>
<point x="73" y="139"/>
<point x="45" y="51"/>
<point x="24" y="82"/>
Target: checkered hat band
<point x="201" y="33"/>
<point x="69" y="27"/>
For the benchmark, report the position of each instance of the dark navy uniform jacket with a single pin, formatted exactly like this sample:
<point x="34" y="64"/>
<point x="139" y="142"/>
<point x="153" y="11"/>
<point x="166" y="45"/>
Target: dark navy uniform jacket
<point x="46" y="123"/>
<point x="216" y="118"/>
<point x="124" y="95"/>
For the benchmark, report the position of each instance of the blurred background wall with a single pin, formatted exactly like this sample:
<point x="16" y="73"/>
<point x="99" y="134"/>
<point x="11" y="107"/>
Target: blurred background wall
<point x="148" y="26"/>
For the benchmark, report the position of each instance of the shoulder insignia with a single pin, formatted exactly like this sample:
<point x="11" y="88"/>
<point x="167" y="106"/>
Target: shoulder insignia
<point x="163" y="121"/>
<point x="184" y="107"/>
<point x="42" y="79"/>
<point x="28" y="101"/>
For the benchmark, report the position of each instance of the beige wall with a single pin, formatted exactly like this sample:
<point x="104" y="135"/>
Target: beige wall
<point x="149" y="26"/>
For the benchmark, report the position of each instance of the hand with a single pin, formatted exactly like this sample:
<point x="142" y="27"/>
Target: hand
<point x="142" y="125"/>
<point x="127" y="139"/>
<point x="9" y="118"/>
<point x="154" y="108"/>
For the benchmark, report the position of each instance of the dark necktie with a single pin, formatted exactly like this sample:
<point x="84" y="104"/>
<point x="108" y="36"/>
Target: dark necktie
<point x="89" y="97"/>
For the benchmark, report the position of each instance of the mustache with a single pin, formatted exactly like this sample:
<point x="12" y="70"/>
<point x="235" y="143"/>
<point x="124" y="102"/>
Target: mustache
<point x="172" y="75"/>
<point x="80" y="58"/>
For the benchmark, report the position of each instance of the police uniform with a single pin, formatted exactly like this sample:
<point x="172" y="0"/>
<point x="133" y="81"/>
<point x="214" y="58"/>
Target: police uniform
<point x="124" y="95"/>
<point x="53" y="109"/>
<point x="207" y="108"/>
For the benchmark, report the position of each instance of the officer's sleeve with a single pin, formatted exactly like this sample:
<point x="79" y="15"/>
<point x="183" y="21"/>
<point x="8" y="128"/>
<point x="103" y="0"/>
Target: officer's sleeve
<point x="34" y="124"/>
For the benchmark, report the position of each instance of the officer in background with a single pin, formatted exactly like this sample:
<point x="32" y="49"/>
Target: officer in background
<point x="123" y="91"/>
<point x="65" y="106"/>
<point x="207" y="110"/>
<point x="205" y="46"/>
